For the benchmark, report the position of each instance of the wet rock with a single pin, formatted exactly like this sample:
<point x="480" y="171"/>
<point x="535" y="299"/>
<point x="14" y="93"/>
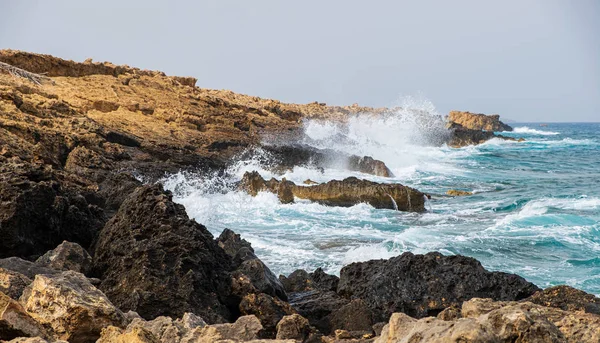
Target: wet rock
<point x="15" y="321"/>
<point x="477" y="121"/>
<point x="424" y="285"/>
<point x="486" y="321"/>
<point x="458" y="193"/>
<point x="27" y="268"/>
<point x="67" y="256"/>
<point x="68" y="304"/>
<point x="368" y="165"/>
<point x="154" y="260"/>
<point x="293" y="327"/>
<point x="267" y="309"/>
<point x="13" y="283"/>
<point x="347" y="192"/>
<point x="567" y="298"/>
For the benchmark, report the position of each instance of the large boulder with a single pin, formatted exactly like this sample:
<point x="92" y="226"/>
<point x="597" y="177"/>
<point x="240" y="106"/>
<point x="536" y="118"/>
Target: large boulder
<point x="154" y="260"/>
<point x="478" y="121"/>
<point x="483" y="320"/>
<point x="424" y="285"/>
<point x="70" y="306"/>
<point x="67" y="256"/>
<point x="347" y="192"/>
<point x="293" y="326"/>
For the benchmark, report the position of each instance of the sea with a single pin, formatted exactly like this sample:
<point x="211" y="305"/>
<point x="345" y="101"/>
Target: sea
<point x="534" y="211"/>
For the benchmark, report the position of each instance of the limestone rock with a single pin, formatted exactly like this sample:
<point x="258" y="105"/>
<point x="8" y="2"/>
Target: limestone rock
<point x="13" y="283"/>
<point x="477" y="121"/>
<point x="424" y="285"/>
<point x="67" y="256"/>
<point x="70" y="306"/>
<point x="114" y="334"/>
<point x="293" y="326"/>
<point x="458" y="193"/>
<point x="154" y="260"/>
<point x="347" y="192"/>
<point x="245" y="328"/>
<point x="486" y="321"/>
<point x="15" y="322"/>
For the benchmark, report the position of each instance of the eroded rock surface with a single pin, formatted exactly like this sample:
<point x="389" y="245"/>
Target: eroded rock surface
<point x="478" y="121"/>
<point x="67" y="256"/>
<point x="347" y="192"/>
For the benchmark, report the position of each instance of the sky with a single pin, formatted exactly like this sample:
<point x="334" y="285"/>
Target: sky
<point x="527" y="60"/>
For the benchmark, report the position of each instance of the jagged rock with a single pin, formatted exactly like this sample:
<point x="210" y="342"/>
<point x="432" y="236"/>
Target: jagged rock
<point x="424" y="285"/>
<point x="347" y="192"/>
<point x="246" y="262"/>
<point x="33" y="340"/>
<point x="316" y="306"/>
<point x="112" y="334"/>
<point x="310" y="182"/>
<point x="245" y="328"/>
<point x="486" y="321"/>
<point x="67" y="256"/>
<point x="294" y="327"/>
<point x="37" y="213"/>
<point x="13" y="283"/>
<point x="301" y="281"/>
<point x="15" y="321"/>
<point x="267" y="309"/>
<point x="354" y="316"/>
<point x="567" y="298"/>
<point x="154" y="260"/>
<point x="369" y="165"/>
<point x="27" y="268"/>
<point x="458" y="193"/>
<point x="114" y="189"/>
<point x="68" y="304"/>
<point x="477" y="121"/>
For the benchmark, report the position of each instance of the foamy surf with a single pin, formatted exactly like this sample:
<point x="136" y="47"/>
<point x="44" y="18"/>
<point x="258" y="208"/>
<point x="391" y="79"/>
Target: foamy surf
<point x="530" y="131"/>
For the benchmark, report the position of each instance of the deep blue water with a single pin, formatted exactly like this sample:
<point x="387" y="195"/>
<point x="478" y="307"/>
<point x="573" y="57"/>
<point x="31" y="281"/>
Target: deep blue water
<point x="535" y="210"/>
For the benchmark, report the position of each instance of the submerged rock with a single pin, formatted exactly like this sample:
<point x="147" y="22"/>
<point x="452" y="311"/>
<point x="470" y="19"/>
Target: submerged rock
<point x="424" y="285"/>
<point x="458" y="193"/>
<point x="347" y="192"/>
<point x="154" y="260"/>
<point x="477" y="121"/>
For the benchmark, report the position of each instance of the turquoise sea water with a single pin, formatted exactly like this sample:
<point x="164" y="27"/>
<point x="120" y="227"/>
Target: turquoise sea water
<point x="535" y="210"/>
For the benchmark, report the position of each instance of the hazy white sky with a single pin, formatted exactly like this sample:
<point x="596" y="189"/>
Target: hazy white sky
<point x="528" y="60"/>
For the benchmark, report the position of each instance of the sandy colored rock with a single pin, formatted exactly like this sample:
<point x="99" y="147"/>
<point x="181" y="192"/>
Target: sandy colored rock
<point x="478" y="121"/>
<point x="458" y="193"/>
<point x="67" y="256"/>
<point x="484" y="320"/>
<point x="70" y="306"/>
<point x="15" y="321"/>
<point x="13" y="283"/>
<point x="114" y="334"/>
<point x="245" y="328"/>
<point x="347" y="192"/>
<point x="293" y="327"/>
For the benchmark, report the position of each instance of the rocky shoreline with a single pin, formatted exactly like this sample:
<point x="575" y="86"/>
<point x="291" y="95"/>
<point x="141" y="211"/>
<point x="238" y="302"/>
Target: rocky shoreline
<point x="91" y="254"/>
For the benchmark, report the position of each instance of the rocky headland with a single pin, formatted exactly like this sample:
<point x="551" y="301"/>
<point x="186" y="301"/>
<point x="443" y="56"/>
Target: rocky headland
<point x="89" y="253"/>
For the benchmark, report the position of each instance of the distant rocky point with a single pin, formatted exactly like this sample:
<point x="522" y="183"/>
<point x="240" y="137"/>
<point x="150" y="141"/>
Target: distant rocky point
<point x="478" y="121"/>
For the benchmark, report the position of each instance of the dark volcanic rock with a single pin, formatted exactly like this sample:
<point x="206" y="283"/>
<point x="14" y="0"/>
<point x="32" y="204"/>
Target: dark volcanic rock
<point x="27" y="268"/>
<point x="293" y="327"/>
<point x="13" y="283"/>
<point x="424" y="285"/>
<point x="567" y="298"/>
<point x="154" y="260"/>
<point x="354" y="316"/>
<point x="316" y="307"/>
<point x="37" y="213"/>
<point x="301" y="281"/>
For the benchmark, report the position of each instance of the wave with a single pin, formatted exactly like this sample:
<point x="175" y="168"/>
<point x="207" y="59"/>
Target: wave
<point x="539" y="207"/>
<point x="527" y="130"/>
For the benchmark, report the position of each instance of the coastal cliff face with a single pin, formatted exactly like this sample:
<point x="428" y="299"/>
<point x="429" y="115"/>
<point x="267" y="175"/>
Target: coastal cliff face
<point x="476" y="121"/>
<point x="89" y="253"/>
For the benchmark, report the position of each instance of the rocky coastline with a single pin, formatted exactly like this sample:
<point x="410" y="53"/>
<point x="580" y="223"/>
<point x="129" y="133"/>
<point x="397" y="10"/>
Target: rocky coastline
<point x="89" y="253"/>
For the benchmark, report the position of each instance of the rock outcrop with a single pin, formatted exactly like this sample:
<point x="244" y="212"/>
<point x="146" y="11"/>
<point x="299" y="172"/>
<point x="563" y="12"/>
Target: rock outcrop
<point x="477" y="121"/>
<point x="154" y="260"/>
<point x="424" y="285"/>
<point x="347" y="192"/>
<point x="483" y="320"/>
